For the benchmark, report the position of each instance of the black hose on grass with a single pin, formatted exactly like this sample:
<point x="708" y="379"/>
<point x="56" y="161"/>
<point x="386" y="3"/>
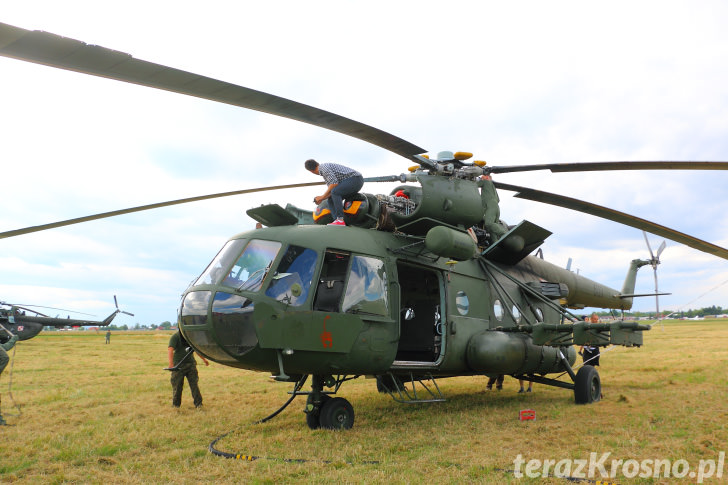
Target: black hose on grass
<point x="241" y="456"/>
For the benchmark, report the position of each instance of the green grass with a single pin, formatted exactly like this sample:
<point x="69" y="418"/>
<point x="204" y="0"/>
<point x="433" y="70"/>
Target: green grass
<point x="96" y="413"/>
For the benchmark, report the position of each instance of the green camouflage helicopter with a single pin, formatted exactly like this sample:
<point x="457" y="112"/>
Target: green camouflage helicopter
<point x="427" y="282"/>
<point x="16" y="320"/>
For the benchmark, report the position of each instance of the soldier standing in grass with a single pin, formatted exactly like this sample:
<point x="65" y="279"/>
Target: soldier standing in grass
<point x="182" y="359"/>
<point x="4" y="359"/>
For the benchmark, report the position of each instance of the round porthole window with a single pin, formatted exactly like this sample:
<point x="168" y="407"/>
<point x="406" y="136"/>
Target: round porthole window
<point x="539" y="314"/>
<point x="498" y="310"/>
<point x="516" y="314"/>
<point x="462" y="303"/>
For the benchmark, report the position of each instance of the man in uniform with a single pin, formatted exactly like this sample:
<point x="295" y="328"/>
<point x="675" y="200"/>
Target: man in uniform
<point x="343" y="182"/>
<point x="4" y="359"/>
<point x="181" y="356"/>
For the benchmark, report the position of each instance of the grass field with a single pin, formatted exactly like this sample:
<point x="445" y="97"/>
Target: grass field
<point x="96" y="413"/>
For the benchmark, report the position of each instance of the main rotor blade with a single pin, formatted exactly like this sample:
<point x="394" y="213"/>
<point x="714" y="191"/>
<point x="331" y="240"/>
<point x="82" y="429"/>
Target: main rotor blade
<point x="73" y="55"/>
<point x="104" y="215"/>
<point x="34" y="311"/>
<point x="616" y="216"/>
<point x="603" y="166"/>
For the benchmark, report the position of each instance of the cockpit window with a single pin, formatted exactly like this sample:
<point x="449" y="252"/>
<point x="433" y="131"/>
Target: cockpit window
<point x="366" y="289"/>
<point x="291" y="283"/>
<point x="216" y="270"/>
<point x="253" y="265"/>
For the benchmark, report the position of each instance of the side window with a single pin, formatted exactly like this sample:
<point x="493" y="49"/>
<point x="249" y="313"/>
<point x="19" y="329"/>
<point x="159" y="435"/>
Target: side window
<point x="291" y="282"/>
<point x="366" y="289"/>
<point x="331" y="282"/>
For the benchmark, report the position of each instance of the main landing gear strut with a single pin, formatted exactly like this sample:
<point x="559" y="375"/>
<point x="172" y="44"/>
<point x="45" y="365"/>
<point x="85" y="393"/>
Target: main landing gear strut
<point x="587" y="385"/>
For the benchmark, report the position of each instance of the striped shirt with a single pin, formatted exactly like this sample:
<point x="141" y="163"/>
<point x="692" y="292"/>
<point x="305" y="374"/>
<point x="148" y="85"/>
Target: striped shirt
<point x="333" y="173"/>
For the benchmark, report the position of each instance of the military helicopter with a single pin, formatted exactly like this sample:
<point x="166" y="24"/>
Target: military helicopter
<point x="16" y="320"/>
<point x="427" y="282"/>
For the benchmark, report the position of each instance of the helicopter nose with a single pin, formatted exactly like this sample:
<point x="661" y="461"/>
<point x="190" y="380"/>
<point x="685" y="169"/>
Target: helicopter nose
<point x="227" y="332"/>
<point x="232" y="320"/>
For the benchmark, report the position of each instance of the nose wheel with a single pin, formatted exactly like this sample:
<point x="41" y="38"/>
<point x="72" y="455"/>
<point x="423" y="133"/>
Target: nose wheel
<point x="337" y="413"/>
<point x="323" y="411"/>
<point x="331" y="413"/>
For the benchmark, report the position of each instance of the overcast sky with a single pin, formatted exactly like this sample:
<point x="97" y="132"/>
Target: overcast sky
<point x="511" y="82"/>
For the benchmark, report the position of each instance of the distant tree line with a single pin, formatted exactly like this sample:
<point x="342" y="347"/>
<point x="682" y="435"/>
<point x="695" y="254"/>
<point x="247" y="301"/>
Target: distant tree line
<point x="153" y="326"/>
<point x="161" y="326"/>
<point x="700" y="312"/>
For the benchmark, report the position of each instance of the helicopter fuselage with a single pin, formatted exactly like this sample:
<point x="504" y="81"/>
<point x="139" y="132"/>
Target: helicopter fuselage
<point x="304" y="299"/>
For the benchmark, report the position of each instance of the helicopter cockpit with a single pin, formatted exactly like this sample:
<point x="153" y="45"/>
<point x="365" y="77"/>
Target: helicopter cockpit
<point x="254" y="271"/>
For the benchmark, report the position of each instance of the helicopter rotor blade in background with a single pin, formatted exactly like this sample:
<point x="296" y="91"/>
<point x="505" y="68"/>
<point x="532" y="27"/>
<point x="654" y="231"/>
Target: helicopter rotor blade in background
<point x="22" y="305"/>
<point x="104" y="215"/>
<point x="73" y="55"/>
<point x="34" y="311"/>
<point x="604" y="166"/>
<point x="616" y="216"/>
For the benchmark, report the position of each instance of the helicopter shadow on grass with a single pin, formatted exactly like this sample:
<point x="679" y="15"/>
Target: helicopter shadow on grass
<point x="460" y="404"/>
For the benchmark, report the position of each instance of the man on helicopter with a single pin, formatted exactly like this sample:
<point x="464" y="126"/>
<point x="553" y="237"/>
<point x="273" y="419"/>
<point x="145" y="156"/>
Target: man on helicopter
<point x="343" y="182"/>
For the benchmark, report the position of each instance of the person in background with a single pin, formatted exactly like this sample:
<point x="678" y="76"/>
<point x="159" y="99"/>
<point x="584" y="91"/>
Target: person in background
<point x="520" y="383"/>
<point x="497" y="380"/>
<point x="590" y="353"/>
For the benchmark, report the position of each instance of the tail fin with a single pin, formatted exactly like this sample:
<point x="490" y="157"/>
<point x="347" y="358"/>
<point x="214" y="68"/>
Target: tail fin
<point x="629" y="281"/>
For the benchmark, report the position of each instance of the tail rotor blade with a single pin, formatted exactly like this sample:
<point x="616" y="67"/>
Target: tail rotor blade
<point x="652" y="256"/>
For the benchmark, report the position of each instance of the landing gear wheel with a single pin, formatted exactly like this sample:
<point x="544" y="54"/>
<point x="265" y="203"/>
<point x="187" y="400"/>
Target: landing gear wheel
<point x="587" y="385"/>
<point x="313" y="419"/>
<point x="337" y="413"/>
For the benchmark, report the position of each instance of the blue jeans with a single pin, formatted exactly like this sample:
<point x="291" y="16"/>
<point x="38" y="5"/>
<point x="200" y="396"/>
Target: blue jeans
<point x="345" y="189"/>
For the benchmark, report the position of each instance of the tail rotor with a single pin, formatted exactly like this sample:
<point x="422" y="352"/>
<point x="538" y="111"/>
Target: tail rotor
<point x="116" y="303"/>
<point x="654" y="261"/>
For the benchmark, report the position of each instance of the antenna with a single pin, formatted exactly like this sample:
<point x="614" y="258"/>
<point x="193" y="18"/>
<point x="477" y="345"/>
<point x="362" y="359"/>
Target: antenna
<point x="654" y="261"/>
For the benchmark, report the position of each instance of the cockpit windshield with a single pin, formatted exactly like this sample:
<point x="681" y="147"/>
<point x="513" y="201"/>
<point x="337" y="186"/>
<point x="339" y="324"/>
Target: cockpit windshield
<point x="216" y="270"/>
<point x="253" y="265"/>
<point x="248" y="272"/>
